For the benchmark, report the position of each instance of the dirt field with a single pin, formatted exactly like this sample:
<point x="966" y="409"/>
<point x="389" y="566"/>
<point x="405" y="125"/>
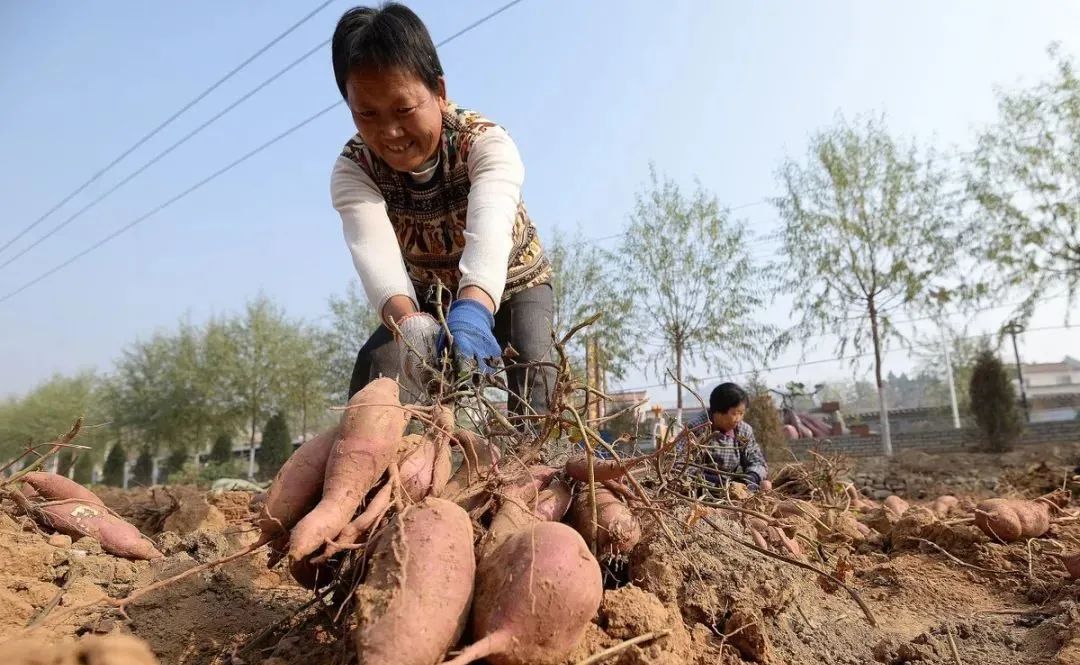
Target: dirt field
<point x="935" y="588"/>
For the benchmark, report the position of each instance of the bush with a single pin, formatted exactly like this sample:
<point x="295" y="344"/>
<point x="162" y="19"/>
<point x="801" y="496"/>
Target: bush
<point x="276" y="446"/>
<point x="143" y="470"/>
<point x="174" y="464"/>
<point x="84" y="468"/>
<point x="222" y="450"/>
<point x="763" y="416"/>
<point x="993" y="402"/>
<point x="207" y="474"/>
<point x="113" y="472"/>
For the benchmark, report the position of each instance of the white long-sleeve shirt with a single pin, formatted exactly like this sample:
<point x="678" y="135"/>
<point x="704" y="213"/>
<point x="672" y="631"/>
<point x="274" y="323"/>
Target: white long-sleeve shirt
<point x="496" y="174"/>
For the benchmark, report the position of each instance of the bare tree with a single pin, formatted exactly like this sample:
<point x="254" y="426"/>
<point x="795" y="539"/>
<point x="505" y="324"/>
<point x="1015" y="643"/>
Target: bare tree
<point x="696" y="292"/>
<point x="866" y="234"/>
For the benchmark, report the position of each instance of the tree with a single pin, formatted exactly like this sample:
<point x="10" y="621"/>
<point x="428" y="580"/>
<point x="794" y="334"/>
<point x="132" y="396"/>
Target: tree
<point x="276" y="446"/>
<point x="865" y="234"/>
<point x="222" y="450"/>
<point x="84" y="468"/>
<point x="584" y="285"/>
<point x="48" y="411"/>
<point x="142" y="472"/>
<point x="174" y="463"/>
<point x="304" y="377"/>
<point x="993" y="402"/>
<point x="695" y="291"/>
<point x="1023" y="180"/>
<point x="351" y="323"/>
<point x="113" y="471"/>
<point x="256" y="374"/>
<point x="763" y="415"/>
<point x="65" y="461"/>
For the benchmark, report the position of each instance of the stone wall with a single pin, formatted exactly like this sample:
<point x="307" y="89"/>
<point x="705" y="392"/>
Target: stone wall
<point x="948" y="440"/>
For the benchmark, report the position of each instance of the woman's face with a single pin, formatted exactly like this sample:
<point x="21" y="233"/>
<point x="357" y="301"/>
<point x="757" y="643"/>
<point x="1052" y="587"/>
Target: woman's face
<point x="730" y="419"/>
<point x="398" y="117"/>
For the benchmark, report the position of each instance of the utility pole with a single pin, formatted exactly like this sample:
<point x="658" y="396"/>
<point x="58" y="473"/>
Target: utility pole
<point x="949" y="374"/>
<point x="1014" y="329"/>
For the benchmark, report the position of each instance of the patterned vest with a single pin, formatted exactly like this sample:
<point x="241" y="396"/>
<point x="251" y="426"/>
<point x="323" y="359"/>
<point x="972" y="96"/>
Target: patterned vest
<point x="429" y="218"/>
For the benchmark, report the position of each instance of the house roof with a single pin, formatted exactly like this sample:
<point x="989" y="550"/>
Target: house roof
<point x="1067" y="364"/>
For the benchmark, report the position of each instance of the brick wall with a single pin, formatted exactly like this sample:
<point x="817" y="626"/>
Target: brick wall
<point x="948" y="440"/>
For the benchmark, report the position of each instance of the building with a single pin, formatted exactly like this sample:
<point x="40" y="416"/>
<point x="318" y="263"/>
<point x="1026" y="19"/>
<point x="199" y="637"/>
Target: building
<point x="1061" y="378"/>
<point x="625" y="399"/>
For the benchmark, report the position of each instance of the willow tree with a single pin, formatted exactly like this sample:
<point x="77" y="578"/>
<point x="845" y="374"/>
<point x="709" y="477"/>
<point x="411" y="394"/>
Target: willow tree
<point x="584" y="285"/>
<point x="1024" y="181"/>
<point x="866" y="234"/>
<point x="696" y="292"/>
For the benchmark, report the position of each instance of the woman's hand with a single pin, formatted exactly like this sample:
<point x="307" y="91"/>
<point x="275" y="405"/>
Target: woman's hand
<point x="417" y="337"/>
<point x="472" y="327"/>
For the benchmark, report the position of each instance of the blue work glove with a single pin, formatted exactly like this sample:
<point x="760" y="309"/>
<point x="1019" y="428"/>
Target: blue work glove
<point x="753" y="481"/>
<point x="472" y="328"/>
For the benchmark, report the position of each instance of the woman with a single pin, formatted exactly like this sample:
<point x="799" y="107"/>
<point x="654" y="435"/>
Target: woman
<point x="430" y="193"/>
<point x="729" y="449"/>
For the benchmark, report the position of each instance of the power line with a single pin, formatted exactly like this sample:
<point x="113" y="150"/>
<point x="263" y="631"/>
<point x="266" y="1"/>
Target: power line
<point x="226" y="168"/>
<point x="822" y="361"/>
<point x="161" y="155"/>
<point x="166" y="123"/>
<point x="167" y="203"/>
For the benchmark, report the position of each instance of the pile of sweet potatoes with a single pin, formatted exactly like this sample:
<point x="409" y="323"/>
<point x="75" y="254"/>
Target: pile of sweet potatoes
<point x="485" y="546"/>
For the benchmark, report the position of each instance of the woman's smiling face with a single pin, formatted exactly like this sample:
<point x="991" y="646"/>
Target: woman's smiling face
<point x="398" y="116"/>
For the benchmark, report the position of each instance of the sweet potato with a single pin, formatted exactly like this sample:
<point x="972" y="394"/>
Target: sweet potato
<point x="577" y="467"/>
<point x="535" y="596"/>
<point x="297" y="486"/>
<point x="797" y="508"/>
<point x="354" y="530"/>
<point x="895" y="505"/>
<point x="414" y="602"/>
<point x="424" y="467"/>
<point x="858" y="501"/>
<point x="617" y="529"/>
<point x="480" y="463"/>
<point x="943" y="504"/>
<point x="1009" y="520"/>
<point x="367" y="442"/>
<point x="54" y="487"/>
<point x="79" y="518"/>
<point x="519" y="509"/>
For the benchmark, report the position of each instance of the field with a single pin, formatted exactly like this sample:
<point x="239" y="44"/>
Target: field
<point x="924" y="588"/>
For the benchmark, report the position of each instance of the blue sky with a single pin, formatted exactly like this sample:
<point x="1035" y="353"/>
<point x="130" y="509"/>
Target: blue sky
<point x="591" y="91"/>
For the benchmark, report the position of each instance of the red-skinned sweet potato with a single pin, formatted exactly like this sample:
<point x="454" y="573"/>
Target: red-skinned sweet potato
<point x="414" y="602"/>
<point x="895" y="505"/>
<point x="1009" y="520"/>
<point x="54" y="487"/>
<point x="79" y="518"/>
<point x="617" y="529"/>
<point x="367" y="442"/>
<point x="297" y="486"/>
<point x="535" y="596"/>
<point x="424" y="465"/>
<point x="519" y="509"/>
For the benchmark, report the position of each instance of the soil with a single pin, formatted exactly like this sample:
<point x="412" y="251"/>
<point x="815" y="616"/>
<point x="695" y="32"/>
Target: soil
<point x="707" y="597"/>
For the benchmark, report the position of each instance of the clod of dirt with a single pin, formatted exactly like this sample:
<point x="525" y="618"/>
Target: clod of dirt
<point x="113" y="649"/>
<point x="235" y="506"/>
<point x="59" y="540"/>
<point x="195" y="513"/>
<point x="628" y="612"/>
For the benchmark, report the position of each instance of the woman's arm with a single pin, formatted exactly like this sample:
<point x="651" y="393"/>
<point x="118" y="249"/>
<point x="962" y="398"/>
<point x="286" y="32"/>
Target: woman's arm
<point x="496" y="175"/>
<point x="372" y="242"/>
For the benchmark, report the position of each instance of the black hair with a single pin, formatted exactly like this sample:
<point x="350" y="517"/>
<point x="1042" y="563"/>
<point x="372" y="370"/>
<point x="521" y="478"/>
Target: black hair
<point x="727" y="396"/>
<point x="389" y="36"/>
